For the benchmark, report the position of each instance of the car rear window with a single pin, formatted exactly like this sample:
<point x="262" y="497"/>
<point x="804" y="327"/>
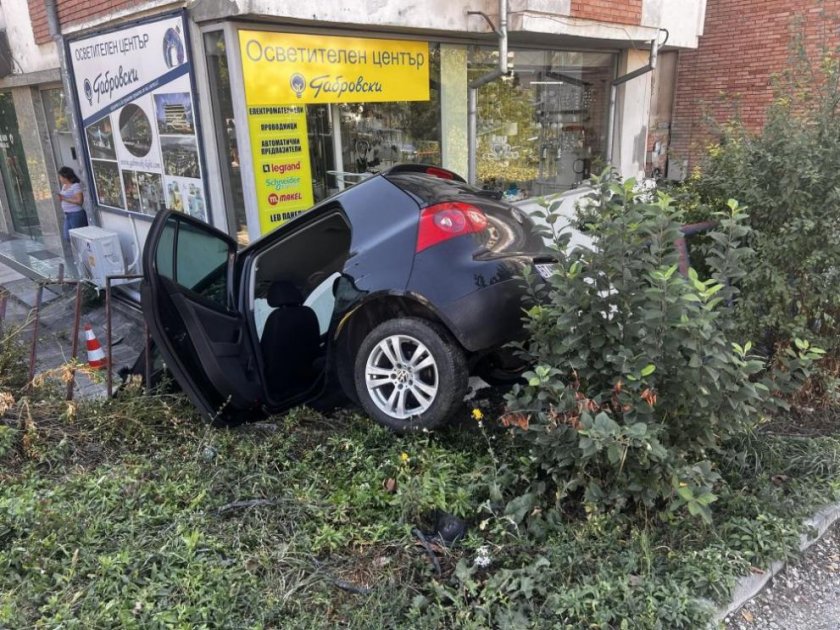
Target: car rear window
<point x="428" y="189"/>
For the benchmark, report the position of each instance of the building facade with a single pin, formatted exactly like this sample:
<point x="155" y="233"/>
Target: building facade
<point x="33" y="121"/>
<point x="245" y="112"/>
<point x="730" y="74"/>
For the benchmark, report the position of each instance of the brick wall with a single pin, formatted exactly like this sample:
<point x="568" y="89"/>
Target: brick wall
<point x="620" y="11"/>
<point x="38" y="16"/>
<point x="73" y="11"/>
<point x="745" y="43"/>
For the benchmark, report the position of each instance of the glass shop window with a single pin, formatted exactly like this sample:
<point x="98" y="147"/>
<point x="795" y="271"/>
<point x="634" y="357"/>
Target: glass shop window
<point x="15" y="172"/>
<point x="541" y="130"/>
<point x="370" y="137"/>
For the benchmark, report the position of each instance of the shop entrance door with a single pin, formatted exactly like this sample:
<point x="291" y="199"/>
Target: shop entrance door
<point x="15" y="173"/>
<point x="58" y="123"/>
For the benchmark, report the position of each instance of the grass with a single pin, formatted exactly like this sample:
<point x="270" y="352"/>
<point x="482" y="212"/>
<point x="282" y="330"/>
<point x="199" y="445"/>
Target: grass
<point x="132" y="513"/>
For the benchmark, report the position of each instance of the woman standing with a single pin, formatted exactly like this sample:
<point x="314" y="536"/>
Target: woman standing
<point x="71" y="197"/>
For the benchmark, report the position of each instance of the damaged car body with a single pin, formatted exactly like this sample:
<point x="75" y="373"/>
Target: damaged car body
<point x="396" y="289"/>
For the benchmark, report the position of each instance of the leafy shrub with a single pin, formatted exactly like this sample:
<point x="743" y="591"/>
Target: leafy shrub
<point x="637" y="376"/>
<point x="786" y="175"/>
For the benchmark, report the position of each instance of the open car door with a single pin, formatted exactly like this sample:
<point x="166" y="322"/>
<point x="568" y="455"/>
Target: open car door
<point x="190" y="306"/>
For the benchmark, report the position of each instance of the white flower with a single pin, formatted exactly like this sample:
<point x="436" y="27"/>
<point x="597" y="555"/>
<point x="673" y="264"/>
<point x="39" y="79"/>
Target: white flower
<point x="482" y="558"/>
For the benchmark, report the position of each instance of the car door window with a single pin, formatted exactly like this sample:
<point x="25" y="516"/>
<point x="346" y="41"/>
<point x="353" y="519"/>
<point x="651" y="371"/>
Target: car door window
<point x="322" y="301"/>
<point x="310" y="259"/>
<point x="195" y="260"/>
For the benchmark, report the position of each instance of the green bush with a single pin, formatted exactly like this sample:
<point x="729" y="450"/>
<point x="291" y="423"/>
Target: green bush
<point x="636" y="376"/>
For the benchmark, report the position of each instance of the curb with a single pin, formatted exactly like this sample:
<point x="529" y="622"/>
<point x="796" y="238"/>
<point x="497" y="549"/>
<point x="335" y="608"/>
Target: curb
<point x="751" y="585"/>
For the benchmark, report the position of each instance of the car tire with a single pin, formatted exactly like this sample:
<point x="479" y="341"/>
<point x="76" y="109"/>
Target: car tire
<point x="501" y="371"/>
<point x="410" y="374"/>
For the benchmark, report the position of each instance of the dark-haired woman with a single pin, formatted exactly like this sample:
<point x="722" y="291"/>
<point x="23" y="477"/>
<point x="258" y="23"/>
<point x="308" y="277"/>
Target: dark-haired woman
<point x="71" y="197"/>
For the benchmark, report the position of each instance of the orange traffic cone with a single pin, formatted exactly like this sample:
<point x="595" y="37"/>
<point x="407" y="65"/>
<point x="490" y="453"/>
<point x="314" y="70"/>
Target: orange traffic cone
<point x="95" y="354"/>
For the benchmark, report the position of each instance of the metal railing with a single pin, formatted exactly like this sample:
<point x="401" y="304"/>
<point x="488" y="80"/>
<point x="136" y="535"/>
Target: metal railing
<point x="62" y="281"/>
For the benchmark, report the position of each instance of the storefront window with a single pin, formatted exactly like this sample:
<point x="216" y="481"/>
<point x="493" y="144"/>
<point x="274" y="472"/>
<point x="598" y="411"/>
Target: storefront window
<point x="370" y="137"/>
<point x="324" y="112"/>
<point x="380" y="135"/>
<point x="375" y="136"/>
<point x="320" y="125"/>
<point x="56" y="109"/>
<point x="15" y="172"/>
<point x="542" y="129"/>
<point x="225" y="126"/>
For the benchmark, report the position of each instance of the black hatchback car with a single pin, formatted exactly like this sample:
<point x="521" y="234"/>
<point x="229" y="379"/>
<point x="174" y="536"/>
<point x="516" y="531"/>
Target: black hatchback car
<point x="399" y="288"/>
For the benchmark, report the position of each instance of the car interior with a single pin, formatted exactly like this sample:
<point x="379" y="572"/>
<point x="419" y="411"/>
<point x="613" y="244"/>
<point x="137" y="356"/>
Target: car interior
<point x="292" y="302"/>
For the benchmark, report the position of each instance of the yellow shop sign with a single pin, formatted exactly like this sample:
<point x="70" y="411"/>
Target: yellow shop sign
<point x="293" y="68"/>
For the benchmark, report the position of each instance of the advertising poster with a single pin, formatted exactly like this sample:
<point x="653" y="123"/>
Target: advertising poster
<point x="284" y="72"/>
<point x="280" y="150"/>
<point x="137" y="107"/>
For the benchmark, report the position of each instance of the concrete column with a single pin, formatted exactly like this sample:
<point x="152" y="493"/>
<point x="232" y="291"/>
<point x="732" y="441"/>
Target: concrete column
<point x="453" y="108"/>
<point x="632" y="115"/>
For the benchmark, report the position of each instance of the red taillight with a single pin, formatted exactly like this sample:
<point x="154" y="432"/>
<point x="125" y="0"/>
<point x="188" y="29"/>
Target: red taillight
<point x="443" y="221"/>
<point x="440" y="172"/>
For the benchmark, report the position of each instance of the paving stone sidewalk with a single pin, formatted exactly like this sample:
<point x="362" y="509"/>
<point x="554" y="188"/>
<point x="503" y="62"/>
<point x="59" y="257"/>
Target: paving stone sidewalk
<point x="55" y="328"/>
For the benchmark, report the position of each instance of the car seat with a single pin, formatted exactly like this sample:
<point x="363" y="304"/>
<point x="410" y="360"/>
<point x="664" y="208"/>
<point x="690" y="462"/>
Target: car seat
<point x="289" y="342"/>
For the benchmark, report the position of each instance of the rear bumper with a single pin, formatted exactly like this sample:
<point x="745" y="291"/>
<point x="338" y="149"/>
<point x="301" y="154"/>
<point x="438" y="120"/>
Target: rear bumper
<point x="487" y="318"/>
<point x="480" y="298"/>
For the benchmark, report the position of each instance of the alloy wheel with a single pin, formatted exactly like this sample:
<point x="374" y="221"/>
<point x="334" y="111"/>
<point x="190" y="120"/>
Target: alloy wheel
<point x="401" y="376"/>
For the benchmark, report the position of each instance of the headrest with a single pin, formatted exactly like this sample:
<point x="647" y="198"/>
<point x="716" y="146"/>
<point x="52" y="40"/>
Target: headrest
<point x="284" y="293"/>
